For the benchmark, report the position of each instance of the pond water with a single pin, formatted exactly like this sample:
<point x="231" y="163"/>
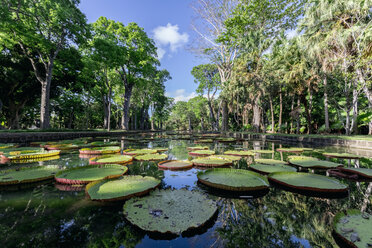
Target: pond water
<point x="48" y="215"/>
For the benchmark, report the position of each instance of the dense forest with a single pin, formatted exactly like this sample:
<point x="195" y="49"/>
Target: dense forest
<point x="289" y="66"/>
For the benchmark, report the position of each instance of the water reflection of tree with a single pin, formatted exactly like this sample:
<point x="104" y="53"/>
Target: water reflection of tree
<point x="277" y="218"/>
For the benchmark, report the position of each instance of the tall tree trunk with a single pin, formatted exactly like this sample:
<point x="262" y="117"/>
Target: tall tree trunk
<point x="308" y="114"/>
<point x="212" y="117"/>
<point x="272" y="115"/>
<point x="354" y="122"/>
<point x="292" y="107"/>
<point x="298" y="117"/>
<point x="368" y="94"/>
<point x="347" y="125"/>
<point x="224" y="116"/>
<point x="202" y="123"/>
<point x="128" y="87"/>
<point x="280" y="110"/>
<point x="256" y="115"/>
<point x="326" y="113"/>
<point x="45" y="103"/>
<point x="190" y="127"/>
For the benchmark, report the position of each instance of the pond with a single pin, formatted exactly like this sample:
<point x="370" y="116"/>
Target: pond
<point x="46" y="214"/>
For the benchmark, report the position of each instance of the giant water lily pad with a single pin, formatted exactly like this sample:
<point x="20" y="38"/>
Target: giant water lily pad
<point x="239" y="153"/>
<point x="359" y="174"/>
<point x="100" y="150"/>
<point x="353" y="228"/>
<point x="170" y="211"/>
<point x="160" y="149"/>
<point x="121" y="189"/>
<point x="226" y="140"/>
<point x="31" y="155"/>
<point x="341" y="155"/>
<point x="111" y="159"/>
<point x="90" y="173"/>
<point x="211" y="162"/>
<point x="61" y="147"/>
<point x="308" y="182"/>
<point x="313" y="164"/>
<point x="262" y="151"/>
<point x="101" y="143"/>
<point x="175" y="165"/>
<point x="302" y="158"/>
<point x="292" y="150"/>
<point x="28" y="174"/>
<point x="140" y="152"/>
<point x="197" y="148"/>
<point x="227" y="157"/>
<point x="269" y="161"/>
<point x="233" y="179"/>
<point x="270" y="168"/>
<point x="151" y="157"/>
<point x="201" y="153"/>
<point x="7" y="145"/>
<point x="203" y="141"/>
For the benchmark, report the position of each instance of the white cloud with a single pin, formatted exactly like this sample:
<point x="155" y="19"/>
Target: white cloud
<point x="291" y="33"/>
<point x="169" y="35"/>
<point x="181" y="95"/>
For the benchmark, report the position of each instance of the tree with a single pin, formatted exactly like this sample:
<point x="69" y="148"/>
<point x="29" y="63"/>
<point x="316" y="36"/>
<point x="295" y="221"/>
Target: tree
<point x="209" y="81"/>
<point x="42" y="29"/>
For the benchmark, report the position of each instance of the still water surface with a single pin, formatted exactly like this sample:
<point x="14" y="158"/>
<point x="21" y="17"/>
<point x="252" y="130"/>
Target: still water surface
<point x="47" y="215"/>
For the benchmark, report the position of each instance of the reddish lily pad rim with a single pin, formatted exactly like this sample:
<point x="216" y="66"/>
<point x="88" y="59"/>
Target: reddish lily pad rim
<point x="162" y="165"/>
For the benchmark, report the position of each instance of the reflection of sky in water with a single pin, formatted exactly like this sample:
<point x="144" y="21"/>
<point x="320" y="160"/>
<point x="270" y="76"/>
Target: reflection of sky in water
<point x="180" y="179"/>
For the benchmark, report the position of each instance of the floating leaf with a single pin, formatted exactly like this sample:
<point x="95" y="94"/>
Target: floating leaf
<point x="211" y="162"/>
<point x="233" y="179"/>
<point x="100" y="150"/>
<point x="151" y="157"/>
<point x="111" y="159"/>
<point x="140" y="152"/>
<point x="270" y="168"/>
<point x="28" y="174"/>
<point x="175" y="165"/>
<point x="341" y="155"/>
<point x="90" y="173"/>
<point x="239" y="153"/>
<point x="170" y="211"/>
<point x="269" y="161"/>
<point x="121" y="189"/>
<point x="197" y="148"/>
<point x="201" y="153"/>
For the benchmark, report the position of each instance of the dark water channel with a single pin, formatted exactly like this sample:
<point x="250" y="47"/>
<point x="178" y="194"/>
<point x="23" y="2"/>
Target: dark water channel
<point x="47" y="215"/>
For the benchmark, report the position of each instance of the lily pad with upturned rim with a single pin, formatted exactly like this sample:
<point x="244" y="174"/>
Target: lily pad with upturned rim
<point x="175" y="165"/>
<point x="292" y="149"/>
<point x="160" y="149"/>
<point x="32" y="155"/>
<point x="170" y="211"/>
<point x="233" y="179"/>
<point x="262" y="151"/>
<point x="211" y="162"/>
<point x="100" y="150"/>
<point x="314" y="164"/>
<point x="90" y="173"/>
<point x="308" y="182"/>
<point x="270" y="168"/>
<point x="111" y="159"/>
<point x="269" y="161"/>
<point x="227" y="157"/>
<point x="140" y="152"/>
<point x="239" y="153"/>
<point x="197" y="148"/>
<point x="341" y="155"/>
<point x="28" y="174"/>
<point x="121" y="189"/>
<point x="353" y="228"/>
<point x="203" y="141"/>
<point x="202" y="153"/>
<point x="358" y="174"/>
<point x="151" y="157"/>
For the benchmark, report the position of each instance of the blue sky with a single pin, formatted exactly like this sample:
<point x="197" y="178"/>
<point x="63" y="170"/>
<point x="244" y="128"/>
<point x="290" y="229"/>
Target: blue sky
<point x="165" y="21"/>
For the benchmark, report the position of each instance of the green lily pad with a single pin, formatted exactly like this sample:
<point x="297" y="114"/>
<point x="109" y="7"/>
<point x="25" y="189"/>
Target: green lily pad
<point x="197" y="148"/>
<point x="201" y="153"/>
<point x="313" y="164"/>
<point x="302" y="158"/>
<point x="170" y="211"/>
<point x="211" y="162"/>
<point x="90" y="173"/>
<point x="175" y="165"/>
<point x="61" y="147"/>
<point x="32" y="155"/>
<point x="239" y="153"/>
<point x="269" y="161"/>
<point x="203" y="141"/>
<point x="33" y="160"/>
<point x="100" y="150"/>
<point x="354" y="228"/>
<point x="341" y="155"/>
<point x="233" y="179"/>
<point x="270" y="168"/>
<point x="308" y="182"/>
<point x="262" y="151"/>
<point x="160" y="149"/>
<point x="228" y="157"/>
<point x="28" y="174"/>
<point x="226" y="140"/>
<point x="121" y="189"/>
<point x="111" y="159"/>
<point x="292" y="149"/>
<point x="101" y="143"/>
<point x="151" y="157"/>
<point x="7" y="145"/>
<point x="363" y="172"/>
<point x="140" y="152"/>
